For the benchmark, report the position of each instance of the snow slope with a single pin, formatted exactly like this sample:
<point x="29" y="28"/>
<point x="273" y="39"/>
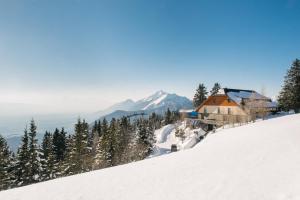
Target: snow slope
<point x="259" y="161"/>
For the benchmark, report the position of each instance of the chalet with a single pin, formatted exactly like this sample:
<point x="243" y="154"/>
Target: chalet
<point x="234" y="105"/>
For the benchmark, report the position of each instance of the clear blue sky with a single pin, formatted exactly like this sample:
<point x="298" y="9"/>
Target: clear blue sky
<point x="92" y="53"/>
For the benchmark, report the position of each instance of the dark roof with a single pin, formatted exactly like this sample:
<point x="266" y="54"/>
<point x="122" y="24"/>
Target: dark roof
<point x="238" y="95"/>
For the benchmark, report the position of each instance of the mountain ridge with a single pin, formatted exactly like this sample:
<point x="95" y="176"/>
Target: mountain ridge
<point x="158" y="102"/>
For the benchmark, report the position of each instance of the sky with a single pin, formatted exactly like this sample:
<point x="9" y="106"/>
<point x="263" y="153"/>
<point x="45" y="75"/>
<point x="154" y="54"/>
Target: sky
<point x="73" y="55"/>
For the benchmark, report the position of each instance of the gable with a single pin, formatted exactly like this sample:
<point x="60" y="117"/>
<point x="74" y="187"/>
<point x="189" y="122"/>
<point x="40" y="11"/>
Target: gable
<point x="218" y="100"/>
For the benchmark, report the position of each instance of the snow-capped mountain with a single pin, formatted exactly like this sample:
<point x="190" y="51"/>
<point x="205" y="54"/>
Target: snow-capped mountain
<point x="163" y="100"/>
<point x="158" y="102"/>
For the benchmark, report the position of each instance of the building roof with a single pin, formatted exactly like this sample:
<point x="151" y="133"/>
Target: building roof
<point x="238" y="95"/>
<point x="234" y="97"/>
<point x="219" y="100"/>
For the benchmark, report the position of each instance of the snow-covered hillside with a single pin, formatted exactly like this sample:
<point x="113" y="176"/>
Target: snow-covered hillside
<point x="255" y="161"/>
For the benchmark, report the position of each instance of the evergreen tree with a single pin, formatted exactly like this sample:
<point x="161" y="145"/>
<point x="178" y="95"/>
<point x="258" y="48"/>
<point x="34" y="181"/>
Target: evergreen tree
<point x="34" y="155"/>
<point x="5" y="165"/>
<point x="80" y="151"/>
<point x="59" y="144"/>
<point x="145" y="139"/>
<point x="200" y="96"/>
<point x="155" y="120"/>
<point x="67" y="164"/>
<point x="175" y="116"/>
<point x="168" y="117"/>
<point x="215" y="89"/>
<point x="123" y="138"/>
<point x="289" y="97"/>
<point x="22" y="167"/>
<point x="50" y="166"/>
<point x="97" y="128"/>
<point x="111" y="143"/>
<point x="100" y="158"/>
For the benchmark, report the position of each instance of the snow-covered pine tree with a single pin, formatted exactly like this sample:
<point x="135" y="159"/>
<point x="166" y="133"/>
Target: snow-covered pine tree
<point x="50" y="165"/>
<point x="5" y="165"/>
<point x="35" y="166"/>
<point x="145" y="139"/>
<point x="100" y="158"/>
<point x="200" y="96"/>
<point x="123" y="139"/>
<point x="22" y="166"/>
<point x="289" y="97"/>
<point x="215" y="89"/>
<point x="150" y="137"/>
<point x="111" y="144"/>
<point x="67" y="164"/>
<point x="80" y="152"/>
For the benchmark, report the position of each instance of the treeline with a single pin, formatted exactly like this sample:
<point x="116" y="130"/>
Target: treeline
<point x="104" y="144"/>
<point x="289" y="96"/>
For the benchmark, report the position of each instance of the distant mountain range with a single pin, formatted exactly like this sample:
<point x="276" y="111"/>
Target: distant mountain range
<point x="158" y="102"/>
<point x="12" y="127"/>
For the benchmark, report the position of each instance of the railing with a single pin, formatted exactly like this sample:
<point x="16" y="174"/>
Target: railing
<point x="226" y="119"/>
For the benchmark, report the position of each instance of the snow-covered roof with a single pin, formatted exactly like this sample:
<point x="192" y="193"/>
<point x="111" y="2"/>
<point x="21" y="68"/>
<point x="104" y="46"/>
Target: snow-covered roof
<point x="238" y="95"/>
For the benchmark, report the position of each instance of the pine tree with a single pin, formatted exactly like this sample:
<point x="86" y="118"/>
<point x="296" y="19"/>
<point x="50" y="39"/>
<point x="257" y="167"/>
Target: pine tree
<point x="123" y="138"/>
<point x="80" y="153"/>
<point x="215" y="89"/>
<point x="100" y="158"/>
<point x="59" y="144"/>
<point x="111" y="143"/>
<point x="168" y="117"/>
<point x="22" y="167"/>
<point x="50" y="165"/>
<point x="5" y="165"/>
<point x="108" y="144"/>
<point x="145" y="139"/>
<point x="200" y="96"/>
<point x="99" y="128"/>
<point x="34" y="155"/>
<point x="289" y="97"/>
<point x="67" y="164"/>
<point x="156" y="120"/>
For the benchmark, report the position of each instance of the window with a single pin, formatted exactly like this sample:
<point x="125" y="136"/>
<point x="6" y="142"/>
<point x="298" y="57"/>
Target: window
<point x="205" y="110"/>
<point x="219" y="111"/>
<point x="229" y="111"/>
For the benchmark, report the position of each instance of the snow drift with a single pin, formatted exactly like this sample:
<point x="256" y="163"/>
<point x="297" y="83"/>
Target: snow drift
<point x="255" y="161"/>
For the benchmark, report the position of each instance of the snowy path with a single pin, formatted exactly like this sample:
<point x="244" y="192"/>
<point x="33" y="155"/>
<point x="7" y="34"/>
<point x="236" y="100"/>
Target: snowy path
<point x="165" y="137"/>
<point x="259" y="161"/>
